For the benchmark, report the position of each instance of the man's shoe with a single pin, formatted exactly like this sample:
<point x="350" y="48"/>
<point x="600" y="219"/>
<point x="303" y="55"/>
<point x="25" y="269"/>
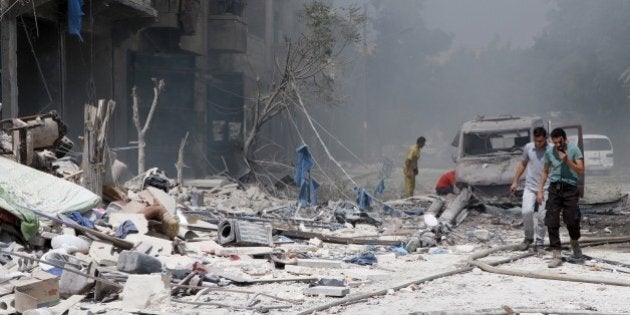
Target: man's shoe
<point x="575" y="247"/>
<point x="525" y="244"/>
<point x="556" y="260"/>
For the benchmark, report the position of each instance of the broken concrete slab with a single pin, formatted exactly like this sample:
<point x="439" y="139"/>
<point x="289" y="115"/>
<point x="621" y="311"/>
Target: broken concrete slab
<point x="147" y="292"/>
<point x="240" y="251"/>
<point x="327" y="291"/>
<point x="71" y="283"/>
<point x="366" y="274"/>
<point x="298" y="270"/>
<point x="177" y="262"/>
<point x="103" y="253"/>
<point x="319" y="263"/>
<point x="208" y="183"/>
<point x="158" y="246"/>
<point x="138" y="219"/>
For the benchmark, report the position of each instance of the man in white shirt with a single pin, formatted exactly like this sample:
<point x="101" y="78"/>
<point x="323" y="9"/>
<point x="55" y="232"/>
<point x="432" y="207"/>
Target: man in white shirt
<point x="533" y="214"/>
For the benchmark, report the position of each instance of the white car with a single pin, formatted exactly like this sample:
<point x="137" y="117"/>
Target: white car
<point x="598" y="153"/>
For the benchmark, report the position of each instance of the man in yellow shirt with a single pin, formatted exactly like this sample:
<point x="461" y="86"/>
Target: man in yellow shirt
<point x="410" y="168"/>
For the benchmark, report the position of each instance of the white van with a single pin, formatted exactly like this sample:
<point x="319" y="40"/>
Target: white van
<point x="598" y="153"/>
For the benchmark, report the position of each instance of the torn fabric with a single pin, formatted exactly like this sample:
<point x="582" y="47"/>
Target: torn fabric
<point x="308" y="186"/>
<point x="364" y="200"/>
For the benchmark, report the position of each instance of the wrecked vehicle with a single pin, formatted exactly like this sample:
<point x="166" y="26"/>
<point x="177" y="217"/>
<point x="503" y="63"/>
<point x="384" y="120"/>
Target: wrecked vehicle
<point x="489" y="150"/>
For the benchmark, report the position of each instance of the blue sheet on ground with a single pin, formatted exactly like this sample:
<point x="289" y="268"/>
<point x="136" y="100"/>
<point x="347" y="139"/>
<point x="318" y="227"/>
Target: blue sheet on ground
<point x="80" y="219"/>
<point x="126" y="228"/>
<point x="364" y="259"/>
<point x="308" y="185"/>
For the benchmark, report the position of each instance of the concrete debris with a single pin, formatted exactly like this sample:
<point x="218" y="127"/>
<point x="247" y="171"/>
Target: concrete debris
<point x="158" y="246"/>
<point x="327" y="291"/>
<point x="147" y="292"/>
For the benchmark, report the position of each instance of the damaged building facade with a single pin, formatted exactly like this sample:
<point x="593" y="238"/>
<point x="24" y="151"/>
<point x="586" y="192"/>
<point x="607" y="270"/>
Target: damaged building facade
<point x="59" y="55"/>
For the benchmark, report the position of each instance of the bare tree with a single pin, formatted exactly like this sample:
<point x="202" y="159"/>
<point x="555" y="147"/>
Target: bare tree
<point x="158" y="88"/>
<point x="307" y="62"/>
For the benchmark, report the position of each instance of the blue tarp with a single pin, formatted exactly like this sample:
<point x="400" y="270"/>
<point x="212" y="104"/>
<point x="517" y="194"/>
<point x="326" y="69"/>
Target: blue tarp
<point x="364" y="259"/>
<point x="364" y="201"/>
<point x="78" y="218"/>
<point x="308" y="186"/>
<point x="75" y="15"/>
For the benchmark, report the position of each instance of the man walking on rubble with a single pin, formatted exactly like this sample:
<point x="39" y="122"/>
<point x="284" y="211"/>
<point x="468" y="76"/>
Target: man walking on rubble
<point x="533" y="216"/>
<point x="564" y="163"/>
<point x="410" y="168"/>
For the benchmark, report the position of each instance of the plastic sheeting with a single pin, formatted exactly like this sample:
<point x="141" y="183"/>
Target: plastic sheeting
<point x="23" y="188"/>
<point x="308" y="186"/>
<point x="364" y="200"/>
<point x="380" y="188"/>
<point x="75" y="15"/>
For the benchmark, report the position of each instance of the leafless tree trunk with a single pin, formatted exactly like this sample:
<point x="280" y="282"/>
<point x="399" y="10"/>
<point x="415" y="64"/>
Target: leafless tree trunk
<point x="142" y="129"/>
<point x="95" y="144"/>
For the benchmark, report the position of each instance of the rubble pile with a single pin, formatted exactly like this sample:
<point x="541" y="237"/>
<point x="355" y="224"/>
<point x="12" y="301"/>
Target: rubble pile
<point x="152" y="244"/>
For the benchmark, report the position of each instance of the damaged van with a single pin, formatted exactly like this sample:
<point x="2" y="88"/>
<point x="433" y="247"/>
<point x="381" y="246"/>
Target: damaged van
<point x="489" y="150"/>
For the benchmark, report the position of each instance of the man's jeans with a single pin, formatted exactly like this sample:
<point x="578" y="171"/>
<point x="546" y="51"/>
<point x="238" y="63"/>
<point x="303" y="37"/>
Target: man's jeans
<point x="533" y="222"/>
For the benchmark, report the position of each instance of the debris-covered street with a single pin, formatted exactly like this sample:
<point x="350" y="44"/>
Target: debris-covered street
<point x="314" y="157"/>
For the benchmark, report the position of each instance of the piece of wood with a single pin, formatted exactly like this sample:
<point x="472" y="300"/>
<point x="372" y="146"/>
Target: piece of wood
<point x="104" y="237"/>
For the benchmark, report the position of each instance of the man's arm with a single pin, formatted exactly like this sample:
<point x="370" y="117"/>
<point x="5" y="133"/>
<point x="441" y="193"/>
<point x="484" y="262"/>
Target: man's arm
<point x="520" y="169"/>
<point x="543" y="179"/>
<point x="577" y="165"/>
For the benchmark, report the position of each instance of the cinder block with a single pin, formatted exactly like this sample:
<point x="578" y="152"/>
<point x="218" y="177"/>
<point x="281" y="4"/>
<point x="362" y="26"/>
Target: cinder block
<point x="138" y="263"/>
<point x="327" y="291"/>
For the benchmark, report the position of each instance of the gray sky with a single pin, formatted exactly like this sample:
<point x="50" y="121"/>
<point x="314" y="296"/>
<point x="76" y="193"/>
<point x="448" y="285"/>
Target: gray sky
<point x="476" y="23"/>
